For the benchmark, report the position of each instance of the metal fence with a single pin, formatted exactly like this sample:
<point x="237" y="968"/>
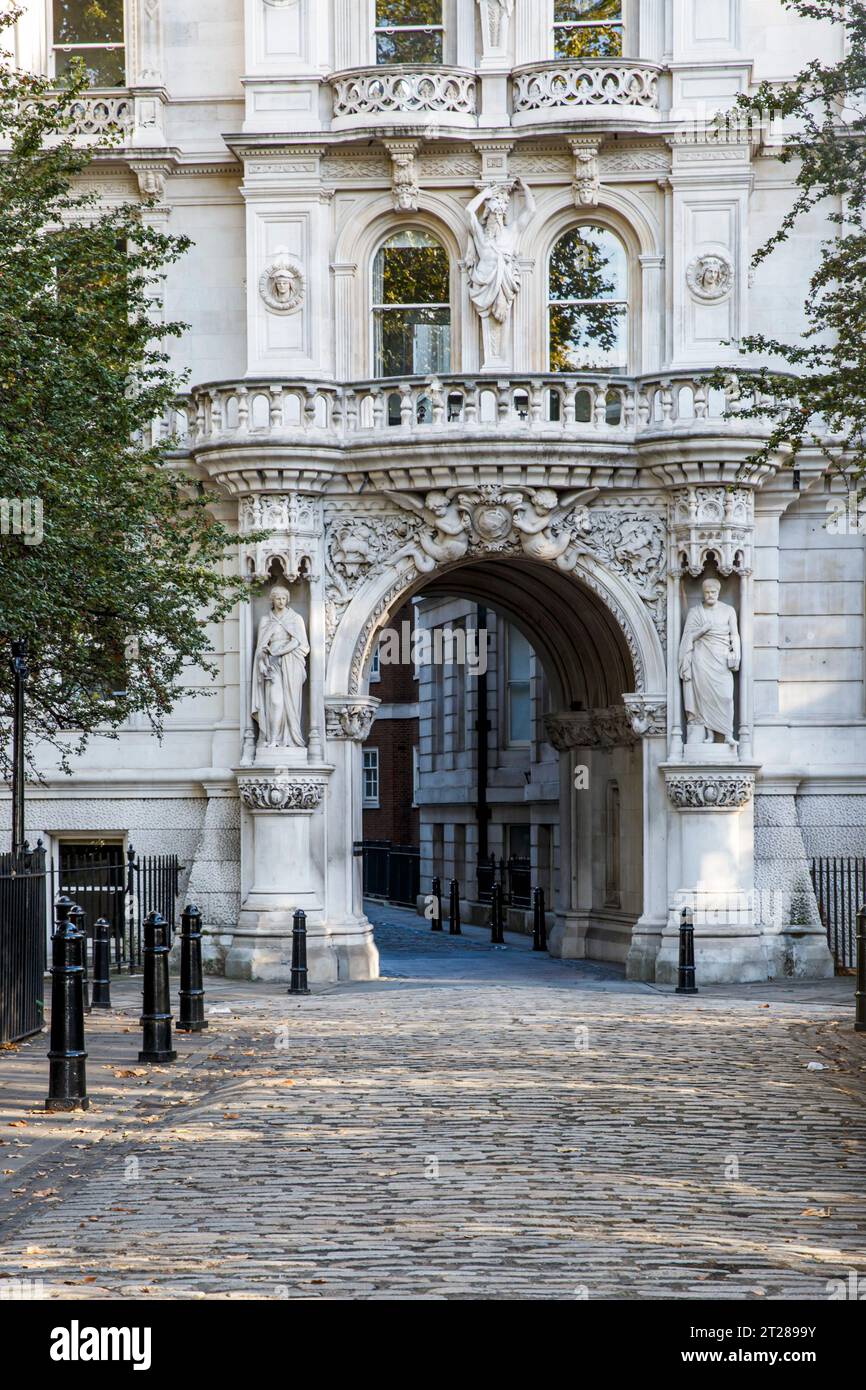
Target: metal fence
<point x="391" y="871"/>
<point x="123" y="888"/>
<point x="22" y="944"/>
<point x="840" y="890"/>
<point x="105" y="882"/>
<point x="515" y="875"/>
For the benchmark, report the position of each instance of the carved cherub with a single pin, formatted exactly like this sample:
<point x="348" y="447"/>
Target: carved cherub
<point x="539" y="521"/>
<point x="445" y="537"/>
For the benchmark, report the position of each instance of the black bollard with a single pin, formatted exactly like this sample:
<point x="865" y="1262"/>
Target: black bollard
<point x="539" y="921"/>
<point x="860" y="996"/>
<point x="101" y="964"/>
<point x="686" y="983"/>
<point x="496" y="935"/>
<point x="67" y="1080"/>
<point x="437" y="904"/>
<point x="454" y="909"/>
<point x="78" y="918"/>
<point x="155" y="1017"/>
<point x="299" y="954"/>
<point x="192" y="1019"/>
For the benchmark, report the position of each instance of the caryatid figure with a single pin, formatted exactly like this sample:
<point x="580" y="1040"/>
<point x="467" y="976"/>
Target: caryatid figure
<point x="279" y="674"/>
<point x="708" y="656"/>
<point x="494" y="279"/>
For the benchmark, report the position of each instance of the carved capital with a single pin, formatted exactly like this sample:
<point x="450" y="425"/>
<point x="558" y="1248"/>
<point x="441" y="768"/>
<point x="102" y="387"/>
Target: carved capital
<point x="597" y="728"/>
<point x="648" y="714"/>
<point x="282" y="793"/>
<point x="351" y="718"/>
<point x="710" y="791"/>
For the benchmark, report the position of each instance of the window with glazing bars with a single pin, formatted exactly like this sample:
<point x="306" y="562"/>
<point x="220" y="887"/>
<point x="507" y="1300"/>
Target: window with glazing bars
<point x="409" y="31"/>
<point x="93" y="31"/>
<point x="586" y="29"/>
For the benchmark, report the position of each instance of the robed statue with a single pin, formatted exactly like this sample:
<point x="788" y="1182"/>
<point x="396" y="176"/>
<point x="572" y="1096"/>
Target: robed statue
<point x="708" y="656"/>
<point x="279" y="674"/>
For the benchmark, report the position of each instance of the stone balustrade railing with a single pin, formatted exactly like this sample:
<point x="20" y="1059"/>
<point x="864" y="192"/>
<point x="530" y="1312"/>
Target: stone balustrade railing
<point x="579" y="405"/>
<point x="383" y="93"/>
<point x="557" y="87"/>
<point x="103" y="115"/>
<point x="107" y="113"/>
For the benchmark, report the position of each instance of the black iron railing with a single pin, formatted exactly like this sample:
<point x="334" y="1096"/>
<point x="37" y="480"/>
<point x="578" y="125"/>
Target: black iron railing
<point x="840" y="889"/>
<point x="22" y="943"/>
<point x="121" y="887"/>
<point x="515" y="876"/>
<point x="392" y="872"/>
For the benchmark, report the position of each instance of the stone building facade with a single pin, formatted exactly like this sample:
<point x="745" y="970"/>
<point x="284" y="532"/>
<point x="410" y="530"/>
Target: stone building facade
<point x="458" y="271"/>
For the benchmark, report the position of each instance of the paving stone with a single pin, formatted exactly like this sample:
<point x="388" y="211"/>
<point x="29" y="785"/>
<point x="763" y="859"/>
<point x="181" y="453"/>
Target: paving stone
<point x="478" y="1124"/>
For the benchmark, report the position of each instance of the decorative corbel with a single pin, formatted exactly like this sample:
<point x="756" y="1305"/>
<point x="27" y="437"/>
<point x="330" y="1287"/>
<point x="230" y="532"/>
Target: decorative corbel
<point x="587" y="175"/>
<point x="405" y="177"/>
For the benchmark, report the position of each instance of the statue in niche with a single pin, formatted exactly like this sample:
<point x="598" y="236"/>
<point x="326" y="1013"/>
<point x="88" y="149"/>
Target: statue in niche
<point x="708" y="656"/>
<point x="279" y="673"/>
<point x="494" y="279"/>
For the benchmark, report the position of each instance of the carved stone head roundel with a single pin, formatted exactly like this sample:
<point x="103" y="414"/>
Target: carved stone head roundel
<point x="281" y="284"/>
<point x="710" y="277"/>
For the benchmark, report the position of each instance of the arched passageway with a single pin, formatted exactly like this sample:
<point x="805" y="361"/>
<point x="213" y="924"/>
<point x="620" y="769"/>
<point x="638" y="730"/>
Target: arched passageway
<point x="571" y="782"/>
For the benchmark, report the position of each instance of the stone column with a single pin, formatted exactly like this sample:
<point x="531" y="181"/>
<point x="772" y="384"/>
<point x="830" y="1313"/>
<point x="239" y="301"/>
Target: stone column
<point x="348" y="720"/>
<point x="570" y="733"/>
<point x="648" y="715"/>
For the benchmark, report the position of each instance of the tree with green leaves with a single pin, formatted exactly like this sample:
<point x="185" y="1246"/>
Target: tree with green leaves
<point x="817" y="396"/>
<point x="112" y="563"/>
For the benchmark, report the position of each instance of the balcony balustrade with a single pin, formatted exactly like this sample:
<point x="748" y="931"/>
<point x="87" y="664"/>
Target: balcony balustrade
<point x="579" y="406"/>
<point x="103" y="114"/>
<point x="549" y="91"/>
<point x="403" y="94"/>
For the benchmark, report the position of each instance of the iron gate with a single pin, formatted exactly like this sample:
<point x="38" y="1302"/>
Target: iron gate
<point x="840" y="890"/>
<point x="123" y="888"/>
<point x="22" y="944"/>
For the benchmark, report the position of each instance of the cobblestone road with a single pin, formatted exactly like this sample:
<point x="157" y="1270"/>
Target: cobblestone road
<point x="479" y="1124"/>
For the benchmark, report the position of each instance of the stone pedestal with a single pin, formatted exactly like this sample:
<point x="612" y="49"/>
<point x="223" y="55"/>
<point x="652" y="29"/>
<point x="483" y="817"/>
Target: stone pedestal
<point x="284" y="851"/>
<point x="711" y="872"/>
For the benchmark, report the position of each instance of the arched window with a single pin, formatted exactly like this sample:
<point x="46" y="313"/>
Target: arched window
<point x="409" y="31"/>
<point x="585" y="29"/>
<point x="588" y="301"/>
<point x="411" y="306"/>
